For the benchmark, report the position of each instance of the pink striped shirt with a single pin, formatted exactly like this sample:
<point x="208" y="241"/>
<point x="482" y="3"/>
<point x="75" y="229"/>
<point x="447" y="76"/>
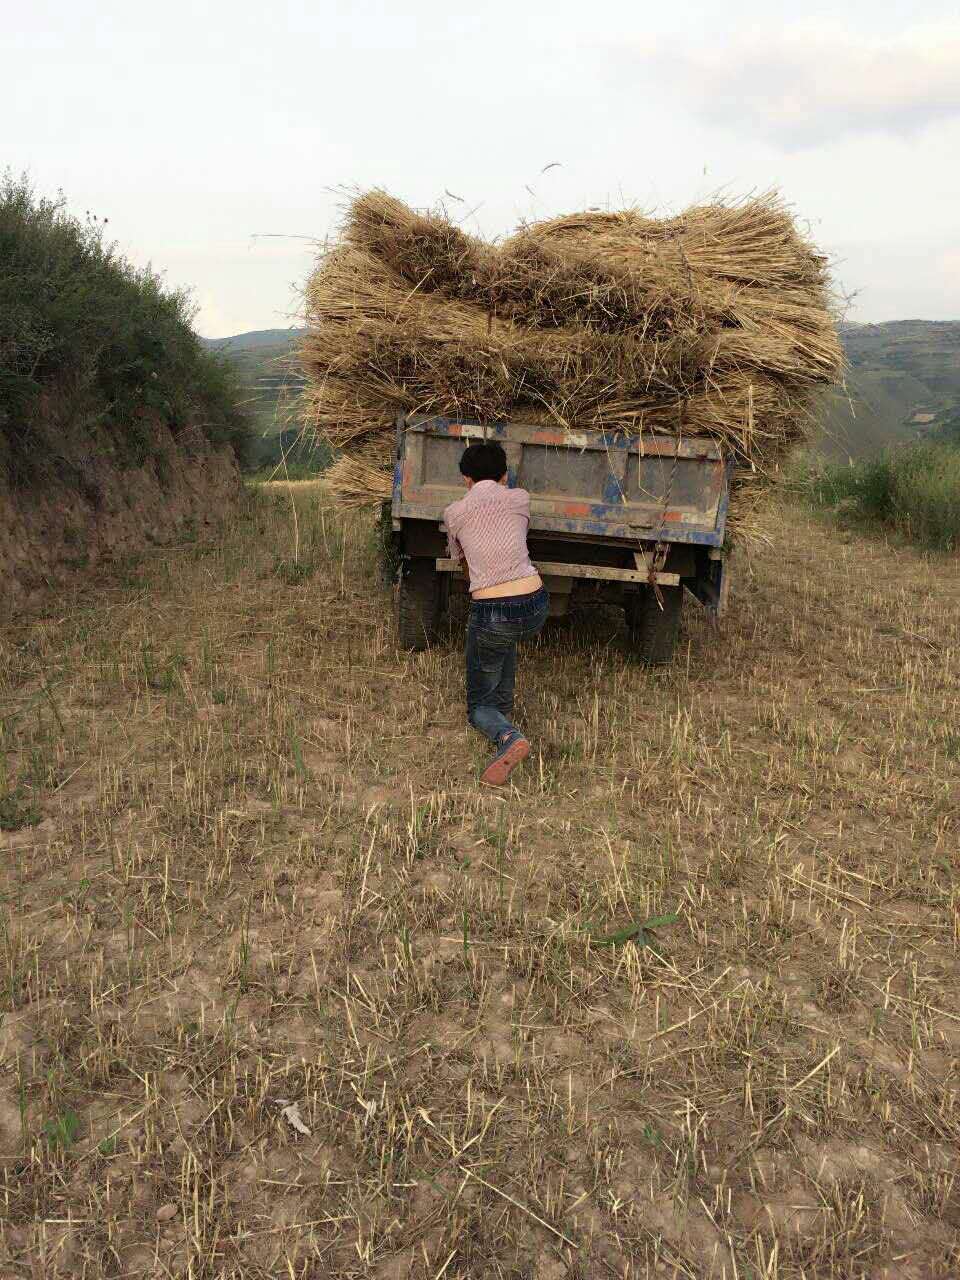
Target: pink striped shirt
<point x="488" y="528"/>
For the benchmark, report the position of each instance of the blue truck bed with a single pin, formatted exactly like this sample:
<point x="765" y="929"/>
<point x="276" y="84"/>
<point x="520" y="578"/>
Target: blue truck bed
<point x="587" y="484"/>
<point x="615" y="518"/>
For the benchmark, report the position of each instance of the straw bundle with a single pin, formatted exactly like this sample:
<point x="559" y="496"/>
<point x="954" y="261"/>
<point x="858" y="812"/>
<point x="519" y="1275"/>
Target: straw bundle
<point x="715" y="322"/>
<point x="358" y="483"/>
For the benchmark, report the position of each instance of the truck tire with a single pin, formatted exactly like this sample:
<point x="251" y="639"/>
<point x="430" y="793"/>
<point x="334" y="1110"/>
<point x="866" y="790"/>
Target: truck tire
<point x="654" y="631"/>
<point x="418" y="604"/>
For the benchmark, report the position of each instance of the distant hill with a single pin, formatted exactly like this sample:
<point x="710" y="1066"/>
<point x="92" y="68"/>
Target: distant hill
<point x="255" y="340"/>
<point x="272" y="382"/>
<point x="903" y="383"/>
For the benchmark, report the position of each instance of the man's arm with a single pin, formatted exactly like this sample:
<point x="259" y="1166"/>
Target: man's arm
<point x="521" y="503"/>
<point x="454" y="549"/>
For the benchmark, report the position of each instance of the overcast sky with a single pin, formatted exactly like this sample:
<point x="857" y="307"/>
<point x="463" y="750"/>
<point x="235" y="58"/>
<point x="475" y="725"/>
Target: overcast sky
<point x="200" y="128"/>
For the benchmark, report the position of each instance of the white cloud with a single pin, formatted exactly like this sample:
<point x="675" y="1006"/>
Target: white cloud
<point x="815" y="82"/>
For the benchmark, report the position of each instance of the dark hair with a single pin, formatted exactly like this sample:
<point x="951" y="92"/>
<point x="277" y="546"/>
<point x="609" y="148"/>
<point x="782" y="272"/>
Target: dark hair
<point x="486" y="461"/>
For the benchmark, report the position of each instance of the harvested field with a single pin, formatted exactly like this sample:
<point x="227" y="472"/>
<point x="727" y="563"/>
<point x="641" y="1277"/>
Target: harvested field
<point x="286" y="995"/>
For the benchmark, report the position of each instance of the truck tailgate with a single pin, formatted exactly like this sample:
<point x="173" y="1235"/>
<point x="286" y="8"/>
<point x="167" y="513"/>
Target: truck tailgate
<point x="589" y="484"/>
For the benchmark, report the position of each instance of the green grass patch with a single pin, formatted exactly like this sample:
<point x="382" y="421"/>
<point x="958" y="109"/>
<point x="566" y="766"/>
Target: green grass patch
<point x="62" y="1130"/>
<point x="913" y="489"/>
<point x="288" y="455"/>
<point x="292" y="471"/>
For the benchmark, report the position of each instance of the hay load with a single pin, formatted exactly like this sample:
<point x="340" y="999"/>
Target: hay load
<point x="716" y="322"/>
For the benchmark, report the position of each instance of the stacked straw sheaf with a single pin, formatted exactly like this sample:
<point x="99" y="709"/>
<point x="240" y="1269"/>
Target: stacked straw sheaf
<point x="716" y="322"/>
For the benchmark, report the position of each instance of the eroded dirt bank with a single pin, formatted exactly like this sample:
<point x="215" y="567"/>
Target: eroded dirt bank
<point x="91" y="507"/>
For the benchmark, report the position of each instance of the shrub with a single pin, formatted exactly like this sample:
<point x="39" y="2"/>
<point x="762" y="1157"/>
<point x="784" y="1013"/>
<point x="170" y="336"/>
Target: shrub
<point x="914" y="488"/>
<point x="106" y="340"/>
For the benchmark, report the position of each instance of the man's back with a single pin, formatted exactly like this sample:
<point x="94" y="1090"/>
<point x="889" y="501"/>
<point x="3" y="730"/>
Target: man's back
<point x="489" y="528"/>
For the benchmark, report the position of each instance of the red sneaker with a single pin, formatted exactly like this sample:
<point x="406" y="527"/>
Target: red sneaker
<point x="513" y="751"/>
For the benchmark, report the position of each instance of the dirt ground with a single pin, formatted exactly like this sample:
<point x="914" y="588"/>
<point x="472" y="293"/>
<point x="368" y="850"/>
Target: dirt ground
<point x="285" y="994"/>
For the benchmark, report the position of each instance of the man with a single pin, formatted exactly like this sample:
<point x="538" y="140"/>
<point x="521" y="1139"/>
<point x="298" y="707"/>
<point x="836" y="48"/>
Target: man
<point x="488" y="528"/>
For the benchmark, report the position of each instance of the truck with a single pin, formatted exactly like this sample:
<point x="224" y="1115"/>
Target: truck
<point x="622" y="518"/>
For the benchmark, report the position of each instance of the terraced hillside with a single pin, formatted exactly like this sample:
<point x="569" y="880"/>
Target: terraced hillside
<point x="904" y="384"/>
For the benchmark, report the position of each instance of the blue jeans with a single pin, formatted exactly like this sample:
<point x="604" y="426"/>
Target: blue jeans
<point x="494" y="628"/>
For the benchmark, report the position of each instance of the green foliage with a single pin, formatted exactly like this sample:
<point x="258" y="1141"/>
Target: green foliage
<point x="62" y="1130"/>
<point x="114" y="348"/>
<point x="914" y="489"/>
<point x="639" y="932"/>
<point x="288" y="455"/>
<point x="292" y="471"/>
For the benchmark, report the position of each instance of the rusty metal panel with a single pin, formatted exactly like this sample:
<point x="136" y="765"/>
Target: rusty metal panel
<point x="596" y="483"/>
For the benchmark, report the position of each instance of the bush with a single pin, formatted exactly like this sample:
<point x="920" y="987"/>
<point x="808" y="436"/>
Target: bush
<point x="914" y="488"/>
<point x="104" y="340"/>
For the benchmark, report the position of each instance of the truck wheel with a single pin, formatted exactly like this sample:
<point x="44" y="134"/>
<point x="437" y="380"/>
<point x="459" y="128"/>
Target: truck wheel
<point x="654" y="631"/>
<point x="418" y="604"/>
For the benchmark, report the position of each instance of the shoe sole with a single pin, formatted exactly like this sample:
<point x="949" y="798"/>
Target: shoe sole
<point x="496" y="774"/>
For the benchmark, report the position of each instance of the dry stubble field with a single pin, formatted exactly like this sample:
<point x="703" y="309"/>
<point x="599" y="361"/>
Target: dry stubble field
<point x="246" y="866"/>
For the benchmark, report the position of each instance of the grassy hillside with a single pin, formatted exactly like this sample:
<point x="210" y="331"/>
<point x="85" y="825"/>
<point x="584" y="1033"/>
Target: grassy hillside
<point x="899" y="372"/>
<point x="287" y="994"/>
<point x="913" y="490"/>
<point x="95" y="353"/>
